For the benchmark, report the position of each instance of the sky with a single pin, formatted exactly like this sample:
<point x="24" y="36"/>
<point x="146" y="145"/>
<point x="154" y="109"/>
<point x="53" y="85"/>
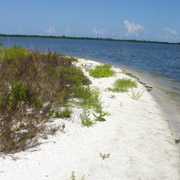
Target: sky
<point x="157" y="20"/>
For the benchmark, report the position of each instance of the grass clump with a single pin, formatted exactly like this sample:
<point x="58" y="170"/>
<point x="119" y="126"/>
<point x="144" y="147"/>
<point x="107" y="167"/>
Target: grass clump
<point x="122" y="85"/>
<point x="102" y="71"/>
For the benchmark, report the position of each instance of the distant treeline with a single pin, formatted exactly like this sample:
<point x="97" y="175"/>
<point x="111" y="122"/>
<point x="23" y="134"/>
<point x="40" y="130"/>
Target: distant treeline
<point x="87" y="38"/>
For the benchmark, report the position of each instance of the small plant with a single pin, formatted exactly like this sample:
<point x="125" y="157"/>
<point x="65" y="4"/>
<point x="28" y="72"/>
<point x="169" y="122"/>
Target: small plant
<point x="89" y="97"/>
<point x="130" y="75"/>
<point x="100" y="116"/>
<point x="102" y="71"/>
<point x="64" y="114"/>
<point x="122" y="85"/>
<point x="85" y="119"/>
<point x="73" y="177"/>
<point x="104" y="156"/>
<point x="137" y="95"/>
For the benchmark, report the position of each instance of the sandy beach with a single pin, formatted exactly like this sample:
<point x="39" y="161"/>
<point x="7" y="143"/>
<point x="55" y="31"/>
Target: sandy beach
<point x="136" y="135"/>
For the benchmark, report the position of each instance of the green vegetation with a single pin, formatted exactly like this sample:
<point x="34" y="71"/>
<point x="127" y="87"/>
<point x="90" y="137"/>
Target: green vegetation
<point x="89" y="38"/>
<point x="73" y="177"/>
<point x="122" y="85"/>
<point x="104" y="156"/>
<point x="89" y="98"/>
<point x="14" y="53"/>
<point x="85" y="119"/>
<point x="32" y="84"/>
<point x="137" y="95"/>
<point x="102" y="71"/>
<point x="130" y="75"/>
<point x="0" y="42"/>
<point x="66" y="113"/>
<point x="100" y="115"/>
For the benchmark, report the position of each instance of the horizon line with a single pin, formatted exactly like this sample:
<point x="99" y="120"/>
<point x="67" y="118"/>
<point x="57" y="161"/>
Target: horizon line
<point x="88" y="38"/>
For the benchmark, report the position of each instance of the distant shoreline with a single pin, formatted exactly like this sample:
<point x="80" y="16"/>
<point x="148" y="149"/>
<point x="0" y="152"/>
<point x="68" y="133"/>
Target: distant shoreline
<point x="88" y="38"/>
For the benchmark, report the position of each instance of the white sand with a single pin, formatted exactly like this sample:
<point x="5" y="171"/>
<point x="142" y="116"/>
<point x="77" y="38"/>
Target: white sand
<point x="136" y="135"/>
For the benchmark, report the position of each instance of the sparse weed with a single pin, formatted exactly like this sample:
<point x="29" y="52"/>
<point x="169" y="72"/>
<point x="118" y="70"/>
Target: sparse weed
<point x="89" y="97"/>
<point x="137" y="95"/>
<point x="122" y="85"/>
<point x="104" y="156"/>
<point x="102" y="71"/>
<point x="73" y="177"/>
<point x="130" y="74"/>
<point x="85" y="119"/>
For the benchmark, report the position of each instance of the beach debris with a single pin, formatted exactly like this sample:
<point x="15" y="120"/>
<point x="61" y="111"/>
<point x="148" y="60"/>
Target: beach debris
<point x="177" y="141"/>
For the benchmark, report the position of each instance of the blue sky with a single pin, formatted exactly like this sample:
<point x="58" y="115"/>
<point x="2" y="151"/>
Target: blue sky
<point x="124" y="19"/>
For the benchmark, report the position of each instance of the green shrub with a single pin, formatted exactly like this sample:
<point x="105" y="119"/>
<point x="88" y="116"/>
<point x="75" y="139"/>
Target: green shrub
<point x="102" y="71"/>
<point x="73" y="75"/>
<point x="19" y="92"/>
<point x="14" y="53"/>
<point x="31" y="84"/>
<point x="122" y="85"/>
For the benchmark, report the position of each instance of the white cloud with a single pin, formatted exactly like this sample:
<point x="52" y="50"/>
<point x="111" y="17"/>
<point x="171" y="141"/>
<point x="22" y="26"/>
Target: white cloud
<point x="98" y="32"/>
<point x="67" y="31"/>
<point x="132" y="28"/>
<point x="170" y="35"/>
<point x="50" y="30"/>
<point x="170" y="31"/>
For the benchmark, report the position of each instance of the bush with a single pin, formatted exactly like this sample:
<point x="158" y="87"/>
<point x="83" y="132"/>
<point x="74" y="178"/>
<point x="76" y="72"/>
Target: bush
<point x="102" y="71"/>
<point x="33" y="83"/>
<point x="122" y="85"/>
<point x="14" y="53"/>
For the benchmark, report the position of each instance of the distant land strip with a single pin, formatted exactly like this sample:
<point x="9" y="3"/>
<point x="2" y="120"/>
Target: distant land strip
<point x="88" y="38"/>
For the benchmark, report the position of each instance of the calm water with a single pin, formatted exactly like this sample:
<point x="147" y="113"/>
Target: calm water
<point x="158" y="64"/>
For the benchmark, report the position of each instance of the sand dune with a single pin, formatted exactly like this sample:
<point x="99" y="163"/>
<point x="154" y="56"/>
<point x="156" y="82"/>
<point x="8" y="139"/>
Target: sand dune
<point x="136" y="136"/>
